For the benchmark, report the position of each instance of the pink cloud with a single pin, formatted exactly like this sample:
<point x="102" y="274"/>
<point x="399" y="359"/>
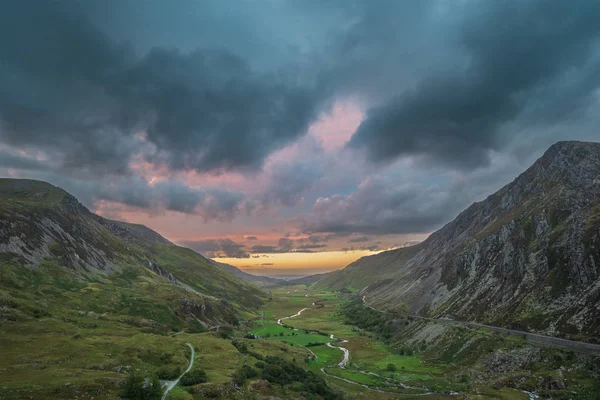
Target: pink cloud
<point x="335" y="128"/>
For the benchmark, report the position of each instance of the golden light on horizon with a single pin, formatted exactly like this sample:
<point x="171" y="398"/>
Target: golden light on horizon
<point x="311" y="263"/>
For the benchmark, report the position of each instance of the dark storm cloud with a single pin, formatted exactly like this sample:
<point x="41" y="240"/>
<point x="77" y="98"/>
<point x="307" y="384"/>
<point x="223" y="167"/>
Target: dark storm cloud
<point x="11" y="160"/>
<point x="515" y="50"/>
<point x="318" y="238"/>
<point x="94" y="87"/>
<point x="71" y="85"/>
<point x="217" y="248"/>
<point x="264" y="249"/>
<point x="285" y="244"/>
<point x="69" y="88"/>
<point x="359" y="239"/>
<point x="209" y="203"/>
<point x="311" y="246"/>
<point x="379" y="207"/>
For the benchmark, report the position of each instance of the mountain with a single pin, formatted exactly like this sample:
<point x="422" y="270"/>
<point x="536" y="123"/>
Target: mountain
<point x="50" y="245"/>
<point x="527" y="257"/>
<point x="248" y="277"/>
<point x="305" y="280"/>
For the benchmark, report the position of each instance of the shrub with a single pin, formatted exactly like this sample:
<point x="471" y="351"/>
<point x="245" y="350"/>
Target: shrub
<point x="243" y="373"/>
<point x="168" y="372"/>
<point x="134" y="389"/>
<point x="193" y="377"/>
<point x="391" y="368"/>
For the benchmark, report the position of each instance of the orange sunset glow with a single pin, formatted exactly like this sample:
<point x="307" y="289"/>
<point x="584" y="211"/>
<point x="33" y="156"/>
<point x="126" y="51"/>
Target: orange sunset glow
<point x="296" y="263"/>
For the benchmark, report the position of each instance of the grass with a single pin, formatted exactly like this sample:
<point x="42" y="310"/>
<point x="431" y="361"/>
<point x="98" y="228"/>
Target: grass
<point x="64" y="336"/>
<point x="325" y="356"/>
<point x="366" y="354"/>
<point x="275" y="332"/>
<point x="407" y="363"/>
<point x="179" y="393"/>
<point x="358" y="377"/>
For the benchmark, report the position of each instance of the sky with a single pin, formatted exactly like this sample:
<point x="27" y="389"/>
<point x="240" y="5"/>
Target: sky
<point x="291" y="137"/>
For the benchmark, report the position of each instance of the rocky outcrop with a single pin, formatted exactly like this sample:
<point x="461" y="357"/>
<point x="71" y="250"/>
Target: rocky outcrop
<point x="157" y="269"/>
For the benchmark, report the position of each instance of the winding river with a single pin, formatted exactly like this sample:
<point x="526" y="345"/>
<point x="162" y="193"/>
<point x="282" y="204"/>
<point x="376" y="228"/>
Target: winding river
<point x="346" y="358"/>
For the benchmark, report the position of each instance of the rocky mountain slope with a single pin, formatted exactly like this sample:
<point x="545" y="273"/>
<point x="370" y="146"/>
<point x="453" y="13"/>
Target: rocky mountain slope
<point x="527" y="257"/>
<point x="47" y="236"/>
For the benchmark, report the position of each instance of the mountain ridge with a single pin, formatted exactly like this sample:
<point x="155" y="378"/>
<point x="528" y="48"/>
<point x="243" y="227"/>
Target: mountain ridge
<point x="43" y="226"/>
<point x="526" y="257"/>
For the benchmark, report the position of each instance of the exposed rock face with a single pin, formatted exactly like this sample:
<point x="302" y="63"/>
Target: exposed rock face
<point x="157" y="269"/>
<point x="527" y="257"/>
<point x="64" y="231"/>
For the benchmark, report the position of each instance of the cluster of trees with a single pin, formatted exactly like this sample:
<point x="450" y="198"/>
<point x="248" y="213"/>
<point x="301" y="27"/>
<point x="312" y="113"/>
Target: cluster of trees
<point x="168" y="372"/>
<point x="356" y="313"/>
<point x="193" y="377"/>
<point x="279" y="371"/>
<point x="137" y="388"/>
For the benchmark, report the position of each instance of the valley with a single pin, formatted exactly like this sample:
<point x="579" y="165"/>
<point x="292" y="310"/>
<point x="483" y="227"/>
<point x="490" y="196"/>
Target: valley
<point x="376" y="369"/>
<point x="299" y="200"/>
<point x="501" y="303"/>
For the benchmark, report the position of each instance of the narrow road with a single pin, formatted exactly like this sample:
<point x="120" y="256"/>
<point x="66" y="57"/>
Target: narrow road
<point x="536" y="338"/>
<point x="174" y="383"/>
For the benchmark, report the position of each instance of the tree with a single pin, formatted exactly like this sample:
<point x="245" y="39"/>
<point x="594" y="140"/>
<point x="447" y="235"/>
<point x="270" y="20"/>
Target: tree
<point x="154" y="391"/>
<point x="168" y="372"/>
<point x="134" y="387"/>
<point x="193" y="377"/>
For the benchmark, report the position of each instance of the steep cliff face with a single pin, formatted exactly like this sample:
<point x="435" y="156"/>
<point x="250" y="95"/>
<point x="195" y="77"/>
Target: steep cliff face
<point x="527" y="257"/>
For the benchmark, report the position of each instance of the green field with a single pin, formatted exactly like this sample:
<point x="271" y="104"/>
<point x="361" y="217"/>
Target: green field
<point x="280" y="333"/>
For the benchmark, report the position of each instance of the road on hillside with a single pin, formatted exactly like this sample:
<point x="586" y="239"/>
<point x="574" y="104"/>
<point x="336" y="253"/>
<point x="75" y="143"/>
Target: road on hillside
<point x="530" y="337"/>
<point x="174" y="383"/>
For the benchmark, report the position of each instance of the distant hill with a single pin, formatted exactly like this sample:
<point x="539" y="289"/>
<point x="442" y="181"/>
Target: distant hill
<point x="48" y="238"/>
<point x="246" y="276"/>
<point x="306" y="280"/>
<point x="527" y="257"/>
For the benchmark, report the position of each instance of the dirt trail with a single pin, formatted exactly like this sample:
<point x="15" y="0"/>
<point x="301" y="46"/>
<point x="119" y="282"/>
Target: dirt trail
<point x="174" y="383"/>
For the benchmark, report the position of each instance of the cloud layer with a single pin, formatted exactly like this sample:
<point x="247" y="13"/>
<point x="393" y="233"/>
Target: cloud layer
<point x="340" y="123"/>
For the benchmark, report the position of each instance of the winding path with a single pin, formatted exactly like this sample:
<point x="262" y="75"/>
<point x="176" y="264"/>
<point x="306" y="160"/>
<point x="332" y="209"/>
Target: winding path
<point x="174" y="383"/>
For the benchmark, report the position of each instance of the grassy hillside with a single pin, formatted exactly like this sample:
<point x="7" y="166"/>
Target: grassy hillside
<point x="366" y="270"/>
<point x="85" y="300"/>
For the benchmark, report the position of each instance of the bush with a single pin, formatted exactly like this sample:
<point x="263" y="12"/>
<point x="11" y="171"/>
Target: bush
<point x="240" y="346"/>
<point x="168" y="372"/>
<point x="243" y="373"/>
<point x="193" y="377"/>
<point x="391" y="368"/>
<point x="277" y="370"/>
<point x="134" y="389"/>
